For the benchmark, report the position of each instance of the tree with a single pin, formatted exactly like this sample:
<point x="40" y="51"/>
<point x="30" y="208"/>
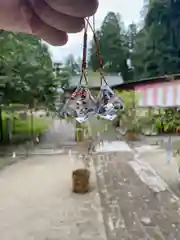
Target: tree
<point x="93" y="58"/>
<point x="25" y="69"/>
<point x="79" y="64"/>
<point x="131" y="35"/>
<point x="157" y="49"/>
<point x="132" y="32"/>
<point x="63" y="75"/>
<point x="113" y="46"/>
<point x="71" y="65"/>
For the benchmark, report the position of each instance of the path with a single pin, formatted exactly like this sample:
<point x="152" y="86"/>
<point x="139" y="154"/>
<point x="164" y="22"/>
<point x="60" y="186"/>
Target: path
<point x="36" y="199"/>
<point x="36" y="202"/>
<point x="131" y="209"/>
<point x="60" y="134"/>
<point x="157" y="158"/>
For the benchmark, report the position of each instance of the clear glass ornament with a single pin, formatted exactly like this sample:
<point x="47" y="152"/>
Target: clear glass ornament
<point x="108" y="104"/>
<point x="81" y="105"/>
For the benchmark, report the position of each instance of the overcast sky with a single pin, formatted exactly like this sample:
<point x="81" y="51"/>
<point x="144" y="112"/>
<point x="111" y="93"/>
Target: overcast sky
<point x="128" y="9"/>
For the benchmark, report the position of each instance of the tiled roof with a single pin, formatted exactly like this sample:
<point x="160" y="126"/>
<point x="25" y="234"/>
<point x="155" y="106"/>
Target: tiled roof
<point x="94" y="80"/>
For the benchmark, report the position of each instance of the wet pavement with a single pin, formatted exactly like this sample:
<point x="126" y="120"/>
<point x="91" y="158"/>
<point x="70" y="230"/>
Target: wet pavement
<point x="128" y="201"/>
<point x="136" y="202"/>
<point x="132" y="210"/>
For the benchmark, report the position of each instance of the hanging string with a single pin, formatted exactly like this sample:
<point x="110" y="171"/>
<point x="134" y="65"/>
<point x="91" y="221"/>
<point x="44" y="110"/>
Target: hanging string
<point x="94" y="25"/>
<point x="82" y="104"/>
<point x="79" y="92"/>
<point x="97" y="46"/>
<point x="169" y="150"/>
<point x="84" y="55"/>
<point x="170" y="145"/>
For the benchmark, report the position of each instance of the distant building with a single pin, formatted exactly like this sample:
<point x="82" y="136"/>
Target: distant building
<point x="94" y="81"/>
<point x="163" y="91"/>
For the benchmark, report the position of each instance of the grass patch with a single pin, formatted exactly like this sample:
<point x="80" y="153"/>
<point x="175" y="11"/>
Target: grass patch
<point x="37" y="126"/>
<point x="25" y="127"/>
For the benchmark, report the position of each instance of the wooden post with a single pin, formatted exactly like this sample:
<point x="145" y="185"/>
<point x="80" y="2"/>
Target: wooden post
<point x="133" y="114"/>
<point x="33" y="107"/>
<point x="32" y="125"/>
<point x="79" y="132"/>
<point x="1" y="124"/>
<point x="149" y="112"/>
<point x="9" y="129"/>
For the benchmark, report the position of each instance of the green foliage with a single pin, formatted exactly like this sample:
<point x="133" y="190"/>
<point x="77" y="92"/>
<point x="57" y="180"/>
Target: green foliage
<point x="26" y="70"/>
<point x="150" y="51"/>
<point x="157" y="48"/>
<point x="167" y="121"/>
<point x="63" y="74"/>
<point x="129" y="119"/>
<point x="130" y="99"/>
<point x="22" y="129"/>
<point x="113" y="43"/>
<point x="40" y="125"/>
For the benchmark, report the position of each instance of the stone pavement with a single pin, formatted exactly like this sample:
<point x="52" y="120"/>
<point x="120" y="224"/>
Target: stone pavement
<point x="157" y="158"/>
<point x="128" y="200"/>
<point x="132" y="209"/>
<point x="36" y="203"/>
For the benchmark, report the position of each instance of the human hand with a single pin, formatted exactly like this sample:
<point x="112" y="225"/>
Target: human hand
<point x="49" y="20"/>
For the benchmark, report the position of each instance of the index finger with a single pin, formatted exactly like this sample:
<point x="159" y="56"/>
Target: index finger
<point x="75" y="8"/>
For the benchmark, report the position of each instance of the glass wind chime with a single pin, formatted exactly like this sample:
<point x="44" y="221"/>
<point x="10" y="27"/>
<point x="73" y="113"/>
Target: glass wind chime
<point x="82" y="104"/>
